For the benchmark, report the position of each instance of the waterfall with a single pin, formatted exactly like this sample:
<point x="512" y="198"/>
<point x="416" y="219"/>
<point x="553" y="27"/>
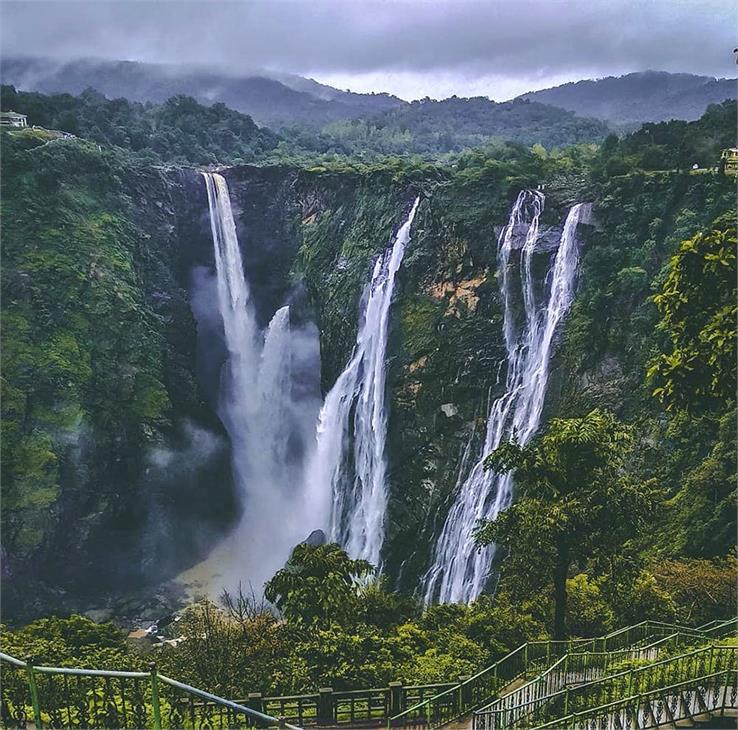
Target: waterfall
<point x="459" y="569"/>
<point x="348" y="486"/>
<point x="269" y="423"/>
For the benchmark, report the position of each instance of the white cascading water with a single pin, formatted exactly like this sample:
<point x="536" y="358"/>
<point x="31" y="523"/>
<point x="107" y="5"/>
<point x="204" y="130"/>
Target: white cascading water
<point x="459" y="569"/>
<point x="260" y="414"/>
<point x="347" y="479"/>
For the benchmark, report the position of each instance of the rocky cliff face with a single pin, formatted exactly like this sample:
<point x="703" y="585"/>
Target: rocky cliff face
<point x="116" y="468"/>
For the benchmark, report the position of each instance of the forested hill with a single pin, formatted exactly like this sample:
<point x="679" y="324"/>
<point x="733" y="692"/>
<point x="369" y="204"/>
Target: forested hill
<point x="456" y="123"/>
<point x="648" y="96"/>
<point x="182" y="129"/>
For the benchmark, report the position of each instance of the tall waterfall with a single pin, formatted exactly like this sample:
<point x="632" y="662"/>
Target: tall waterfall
<point x="348" y="485"/>
<point x="265" y="419"/>
<point x="460" y="570"/>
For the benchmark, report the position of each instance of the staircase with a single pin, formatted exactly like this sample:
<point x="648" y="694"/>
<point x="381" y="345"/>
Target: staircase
<point x="578" y="682"/>
<point x="552" y="664"/>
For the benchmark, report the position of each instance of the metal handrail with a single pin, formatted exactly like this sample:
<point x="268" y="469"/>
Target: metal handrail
<point x="702" y="686"/>
<point x="505" y="714"/>
<point x="423" y="712"/>
<point x="152" y="676"/>
<point x="634" y="675"/>
<point x="615" y="655"/>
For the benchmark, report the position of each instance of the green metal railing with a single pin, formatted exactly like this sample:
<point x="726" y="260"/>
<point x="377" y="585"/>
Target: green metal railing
<point x="584" y="668"/>
<point x="57" y="697"/>
<point x="471" y="694"/>
<point x="475" y="691"/>
<point x="346" y="707"/>
<point x="698" y="698"/>
<point x="569" y="687"/>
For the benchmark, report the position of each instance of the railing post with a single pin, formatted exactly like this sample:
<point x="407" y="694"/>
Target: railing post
<point x="728" y="676"/>
<point x="396" y="705"/>
<point x="566" y="702"/>
<point x="155" y="708"/>
<point x="34" y="693"/>
<point x="255" y="702"/>
<point x="465" y="693"/>
<point x="525" y="653"/>
<point x="325" y="706"/>
<point x="630" y="682"/>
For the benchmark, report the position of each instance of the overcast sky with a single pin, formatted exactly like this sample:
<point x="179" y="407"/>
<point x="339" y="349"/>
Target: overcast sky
<point x="412" y="48"/>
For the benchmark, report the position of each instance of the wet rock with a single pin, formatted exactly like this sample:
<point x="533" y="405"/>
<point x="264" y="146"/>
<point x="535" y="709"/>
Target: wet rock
<point x="316" y="538"/>
<point x="99" y="615"/>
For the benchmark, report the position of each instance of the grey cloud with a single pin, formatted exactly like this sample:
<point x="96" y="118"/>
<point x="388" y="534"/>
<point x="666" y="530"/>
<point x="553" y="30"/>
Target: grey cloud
<point x="521" y="38"/>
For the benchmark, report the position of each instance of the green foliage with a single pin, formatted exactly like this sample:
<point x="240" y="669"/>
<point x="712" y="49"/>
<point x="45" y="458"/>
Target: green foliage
<point x="587" y="610"/>
<point x="702" y="590"/>
<point x="242" y="647"/>
<point x="429" y="127"/>
<point x="70" y="642"/>
<point x="319" y="584"/>
<point x="230" y="650"/>
<point x="697" y="304"/>
<point x="575" y="503"/>
<point x="673" y="145"/>
<point x="179" y="130"/>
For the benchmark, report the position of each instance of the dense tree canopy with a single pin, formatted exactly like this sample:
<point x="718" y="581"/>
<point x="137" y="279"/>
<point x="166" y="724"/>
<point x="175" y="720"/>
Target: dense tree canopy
<point x="697" y="304"/>
<point x="318" y="584"/>
<point x="179" y="130"/>
<point x="575" y="502"/>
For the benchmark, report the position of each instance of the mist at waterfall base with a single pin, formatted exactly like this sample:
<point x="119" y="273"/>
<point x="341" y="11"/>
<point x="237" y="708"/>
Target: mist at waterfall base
<point x="459" y="571"/>
<point x="268" y="402"/>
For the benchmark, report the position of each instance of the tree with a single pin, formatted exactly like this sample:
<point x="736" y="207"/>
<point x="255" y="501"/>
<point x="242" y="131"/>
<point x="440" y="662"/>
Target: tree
<point x="319" y="584"/>
<point x="697" y="303"/>
<point x="576" y="503"/>
<point x="702" y="590"/>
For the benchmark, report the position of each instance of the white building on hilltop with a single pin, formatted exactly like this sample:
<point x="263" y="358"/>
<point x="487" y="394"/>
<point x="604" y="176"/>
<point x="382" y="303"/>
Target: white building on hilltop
<point x="12" y="119"/>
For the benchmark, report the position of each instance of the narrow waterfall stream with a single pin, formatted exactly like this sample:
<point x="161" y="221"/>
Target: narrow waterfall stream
<point x="459" y="570"/>
<point x="348" y="485"/>
<point x="262" y="414"/>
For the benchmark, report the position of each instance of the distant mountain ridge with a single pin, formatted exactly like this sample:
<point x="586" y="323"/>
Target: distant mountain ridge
<point x="645" y="96"/>
<point x="322" y="119"/>
<point x="316" y="116"/>
<point x="271" y="99"/>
